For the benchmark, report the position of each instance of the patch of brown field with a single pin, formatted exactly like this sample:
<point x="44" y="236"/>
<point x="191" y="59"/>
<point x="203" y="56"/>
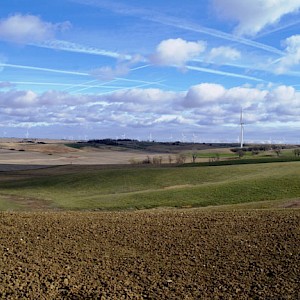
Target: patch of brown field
<point x="295" y="203"/>
<point x="216" y="150"/>
<point x="62" y="155"/>
<point x="158" y="254"/>
<point x="29" y="203"/>
<point x="42" y="148"/>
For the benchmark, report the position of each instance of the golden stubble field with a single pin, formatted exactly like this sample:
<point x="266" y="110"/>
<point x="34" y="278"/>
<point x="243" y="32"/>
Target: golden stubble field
<point x="154" y="254"/>
<point x="53" y="152"/>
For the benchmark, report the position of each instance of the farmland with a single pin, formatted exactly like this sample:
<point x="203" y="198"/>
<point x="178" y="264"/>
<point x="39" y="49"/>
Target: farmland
<point x="222" y="229"/>
<point x="154" y="254"/>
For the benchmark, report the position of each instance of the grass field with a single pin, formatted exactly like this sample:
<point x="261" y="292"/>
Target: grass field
<point x="89" y="188"/>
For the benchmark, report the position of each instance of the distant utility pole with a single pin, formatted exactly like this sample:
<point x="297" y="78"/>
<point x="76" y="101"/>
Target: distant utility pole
<point x="242" y="129"/>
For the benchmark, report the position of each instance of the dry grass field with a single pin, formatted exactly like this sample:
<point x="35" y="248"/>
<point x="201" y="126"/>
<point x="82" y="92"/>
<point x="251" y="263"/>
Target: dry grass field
<point x="51" y="152"/>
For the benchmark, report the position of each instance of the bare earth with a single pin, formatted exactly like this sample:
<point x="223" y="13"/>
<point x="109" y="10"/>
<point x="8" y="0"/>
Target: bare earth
<point x="158" y="254"/>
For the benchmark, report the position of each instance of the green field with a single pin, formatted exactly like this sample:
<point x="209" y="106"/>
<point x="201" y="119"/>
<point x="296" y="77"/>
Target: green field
<point x="92" y="187"/>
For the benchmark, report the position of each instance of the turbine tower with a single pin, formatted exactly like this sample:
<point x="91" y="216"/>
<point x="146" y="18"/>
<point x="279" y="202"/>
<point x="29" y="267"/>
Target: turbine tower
<point x="242" y="129"/>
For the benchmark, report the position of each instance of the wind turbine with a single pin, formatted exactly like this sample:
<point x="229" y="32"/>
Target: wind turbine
<point x="242" y="129"/>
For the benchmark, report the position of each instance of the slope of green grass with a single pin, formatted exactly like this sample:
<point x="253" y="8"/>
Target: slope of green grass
<point x="249" y="160"/>
<point x="127" y="188"/>
<point x="6" y="204"/>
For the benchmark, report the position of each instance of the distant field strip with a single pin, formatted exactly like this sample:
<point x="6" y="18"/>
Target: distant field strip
<point x="137" y="188"/>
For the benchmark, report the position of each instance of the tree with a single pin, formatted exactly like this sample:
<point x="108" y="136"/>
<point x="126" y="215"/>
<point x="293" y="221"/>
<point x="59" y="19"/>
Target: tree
<point x="160" y="158"/>
<point x="216" y="157"/>
<point x="297" y="152"/>
<point x="240" y="153"/>
<point x="194" y="157"/>
<point x="181" y="158"/>
<point x="277" y="150"/>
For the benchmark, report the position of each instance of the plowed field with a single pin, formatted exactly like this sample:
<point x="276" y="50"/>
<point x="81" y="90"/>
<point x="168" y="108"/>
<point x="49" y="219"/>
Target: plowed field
<point x="157" y="254"/>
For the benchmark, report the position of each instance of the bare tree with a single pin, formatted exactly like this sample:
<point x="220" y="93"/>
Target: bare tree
<point x="160" y="158"/>
<point x="181" y="158"/>
<point x="277" y="150"/>
<point x="147" y="160"/>
<point x="296" y="152"/>
<point x="194" y="157"/>
<point x="216" y="157"/>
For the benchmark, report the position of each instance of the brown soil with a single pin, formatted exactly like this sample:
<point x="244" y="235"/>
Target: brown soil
<point x="158" y="254"/>
<point x="292" y="204"/>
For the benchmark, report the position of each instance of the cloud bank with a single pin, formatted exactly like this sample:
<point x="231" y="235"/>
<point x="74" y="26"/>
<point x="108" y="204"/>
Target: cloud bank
<point x="205" y="104"/>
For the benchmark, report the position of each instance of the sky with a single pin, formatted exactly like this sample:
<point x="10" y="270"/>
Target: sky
<point x="167" y="70"/>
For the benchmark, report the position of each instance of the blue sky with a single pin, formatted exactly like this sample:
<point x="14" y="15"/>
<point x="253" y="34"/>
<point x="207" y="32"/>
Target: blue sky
<point x="166" y="70"/>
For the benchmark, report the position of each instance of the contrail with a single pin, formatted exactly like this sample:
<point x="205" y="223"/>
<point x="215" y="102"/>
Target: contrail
<point x="285" y="26"/>
<point x="144" y="83"/>
<point x="74" y="47"/>
<point x="154" y="16"/>
<point x="206" y="70"/>
<point x="43" y="69"/>
<point x="79" y="84"/>
<point x="179" y="23"/>
<point x="113" y="80"/>
<point x="41" y="83"/>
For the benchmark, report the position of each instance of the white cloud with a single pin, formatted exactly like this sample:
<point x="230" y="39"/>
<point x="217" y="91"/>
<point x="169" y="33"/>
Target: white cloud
<point x="292" y="56"/>
<point x="203" y="94"/>
<point x="246" y="96"/>
<point x="149" y="96"/>
<point x="18" y="99"/>
<point x="54" y="97"/>
<point x="28" y="29"/>
<point x="177" y="52"/>
<point x="109" y="73"/>
<point x="253" y="15"/>
<point x="172" y="119"/>
<point x="21" y="99"/>
<point x="284" y="98"/>
<point x="223" y="54"/>
<point x="218" y="104"/>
